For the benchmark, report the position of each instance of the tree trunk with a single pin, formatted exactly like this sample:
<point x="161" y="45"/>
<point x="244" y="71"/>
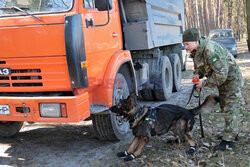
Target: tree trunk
<point x="192" y="13"/>
<point x="230" y="14"/>
<point x="201" y="18"/>
<point x="221" y="15"/>
<point x="206" y="24"/>
<point x="188" y="12"/>
<point x="248" y="22"/>
<point x="210" y="15"/>
<point x="217" y="17"/>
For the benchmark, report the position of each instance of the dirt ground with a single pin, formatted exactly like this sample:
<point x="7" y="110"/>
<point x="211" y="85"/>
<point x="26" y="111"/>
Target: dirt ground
<point x="75" y="144"/>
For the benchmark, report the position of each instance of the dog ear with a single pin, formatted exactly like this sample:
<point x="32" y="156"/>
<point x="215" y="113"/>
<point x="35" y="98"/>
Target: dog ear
<point x="133" y="97"/>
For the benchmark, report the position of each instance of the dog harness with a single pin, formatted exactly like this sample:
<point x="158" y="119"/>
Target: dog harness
<point x="151" y="116"/>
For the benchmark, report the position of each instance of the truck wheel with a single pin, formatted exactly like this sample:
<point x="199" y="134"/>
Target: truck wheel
<point x="164" y="82"/>
<point x="177" y="75"/>
<point x="184" y="67"/>
<point x="9" y="128"/>
<point x="109" y="126"/>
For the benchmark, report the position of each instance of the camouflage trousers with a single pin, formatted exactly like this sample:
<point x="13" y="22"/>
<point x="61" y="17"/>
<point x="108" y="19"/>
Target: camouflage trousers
<point x="231" y="108"/>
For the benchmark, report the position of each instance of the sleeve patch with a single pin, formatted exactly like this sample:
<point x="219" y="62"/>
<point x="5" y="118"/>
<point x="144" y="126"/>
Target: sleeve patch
<point x="214" y="59"/>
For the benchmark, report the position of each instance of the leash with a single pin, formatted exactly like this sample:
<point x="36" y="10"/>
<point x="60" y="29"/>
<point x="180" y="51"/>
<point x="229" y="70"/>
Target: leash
<point x="201" y="125"/>
<point x="190" y="97"/>
<point x="195" y="79"/>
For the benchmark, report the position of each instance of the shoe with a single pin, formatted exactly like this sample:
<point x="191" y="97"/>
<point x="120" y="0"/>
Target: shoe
<point x="129" y="157"/>
<point x="223" y="145"/>
<point x="191" y="150"/>
<point x="122" y="154"/>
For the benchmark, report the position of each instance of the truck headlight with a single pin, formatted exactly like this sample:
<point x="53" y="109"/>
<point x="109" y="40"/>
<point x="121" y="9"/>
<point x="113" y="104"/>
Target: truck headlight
<point x="52" y="110"/>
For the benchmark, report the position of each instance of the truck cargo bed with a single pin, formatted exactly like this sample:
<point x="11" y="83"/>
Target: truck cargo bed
<point x="152" y="23"/>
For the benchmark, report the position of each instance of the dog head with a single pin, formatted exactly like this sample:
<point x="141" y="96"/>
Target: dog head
<point x="124" y="107"/>
<point x="129" y="109"/>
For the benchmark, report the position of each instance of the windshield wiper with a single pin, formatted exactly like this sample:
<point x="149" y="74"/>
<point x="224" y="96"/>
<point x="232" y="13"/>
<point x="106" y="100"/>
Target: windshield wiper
<point x="21" y="10"/>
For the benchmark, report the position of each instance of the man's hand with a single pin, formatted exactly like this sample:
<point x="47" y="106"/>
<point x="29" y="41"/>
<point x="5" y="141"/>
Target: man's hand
<point x="195" y="79"/>
<point x="199" y="84"/>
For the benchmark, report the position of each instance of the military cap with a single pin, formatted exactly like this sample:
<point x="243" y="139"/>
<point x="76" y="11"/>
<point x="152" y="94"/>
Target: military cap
<point x="191" y="34"/>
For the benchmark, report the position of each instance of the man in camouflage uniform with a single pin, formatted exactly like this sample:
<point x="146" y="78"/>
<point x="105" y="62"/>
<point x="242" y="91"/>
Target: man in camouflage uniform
<point x="218" y="65"/>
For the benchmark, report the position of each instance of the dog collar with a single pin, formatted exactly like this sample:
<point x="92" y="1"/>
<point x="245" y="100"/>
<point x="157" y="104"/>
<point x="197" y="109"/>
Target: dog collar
<point x="151" y="115"/>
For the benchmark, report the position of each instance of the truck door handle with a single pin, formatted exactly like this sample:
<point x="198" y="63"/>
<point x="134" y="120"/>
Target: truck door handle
<point x="89" y="23"/>
<point x="115" y="35"/>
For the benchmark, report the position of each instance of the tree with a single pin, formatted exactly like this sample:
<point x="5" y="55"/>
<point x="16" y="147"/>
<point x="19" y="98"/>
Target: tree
<point x="200" y="18"/>
<point x="248" y="22"/>
<point x="229" y="13"/>
<point x="217" y="14"/>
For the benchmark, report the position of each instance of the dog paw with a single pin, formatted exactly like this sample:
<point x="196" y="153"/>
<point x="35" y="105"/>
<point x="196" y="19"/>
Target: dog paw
<point x="191" y="151"/>
<point x="122" y="154"/>
<point x="129" y="157"/>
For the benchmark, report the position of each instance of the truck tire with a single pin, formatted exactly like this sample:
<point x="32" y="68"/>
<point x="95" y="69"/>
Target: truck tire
<point x="184" y="67"/>
<point x="179" y="49"/>
<point x="109" y="126"/>
<point x="164" y="82"/>
<point x="177" y="75"/>
<point x="9" y="128"/>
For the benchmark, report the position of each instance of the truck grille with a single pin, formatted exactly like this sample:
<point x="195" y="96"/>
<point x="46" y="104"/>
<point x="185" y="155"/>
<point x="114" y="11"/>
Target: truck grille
<point x="30" y="78"/>
<point x="35" y="74"/>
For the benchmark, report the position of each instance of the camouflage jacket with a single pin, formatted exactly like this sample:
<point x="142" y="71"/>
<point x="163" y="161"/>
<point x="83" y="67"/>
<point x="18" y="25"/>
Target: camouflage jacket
<point x="216" y="63"/>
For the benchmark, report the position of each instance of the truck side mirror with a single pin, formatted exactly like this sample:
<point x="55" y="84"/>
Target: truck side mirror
<point x="103" y="5"/>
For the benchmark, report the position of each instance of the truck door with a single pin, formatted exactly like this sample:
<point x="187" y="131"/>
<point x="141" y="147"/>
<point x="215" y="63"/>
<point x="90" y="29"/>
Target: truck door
<point x="101" y="42"/>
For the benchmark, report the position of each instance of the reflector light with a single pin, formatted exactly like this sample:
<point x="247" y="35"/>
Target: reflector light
<point x="63" y="110"/>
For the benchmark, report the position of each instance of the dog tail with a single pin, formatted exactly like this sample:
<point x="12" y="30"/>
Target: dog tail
<point x="206" y="106"/>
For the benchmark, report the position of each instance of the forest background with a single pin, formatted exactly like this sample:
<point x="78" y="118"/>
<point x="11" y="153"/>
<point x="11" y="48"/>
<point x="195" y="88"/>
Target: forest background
<point x="207" y="15"/>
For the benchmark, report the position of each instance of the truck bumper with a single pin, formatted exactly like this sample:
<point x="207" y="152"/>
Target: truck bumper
<point x="77" y="108"/>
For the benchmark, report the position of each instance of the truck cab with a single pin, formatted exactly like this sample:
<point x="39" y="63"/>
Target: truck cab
<point x="67" y="60"/>
<point x="57" y="68"/>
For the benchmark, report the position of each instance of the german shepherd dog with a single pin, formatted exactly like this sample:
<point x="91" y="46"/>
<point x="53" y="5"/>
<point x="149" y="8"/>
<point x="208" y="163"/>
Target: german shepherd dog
<point x="146" y="122"/>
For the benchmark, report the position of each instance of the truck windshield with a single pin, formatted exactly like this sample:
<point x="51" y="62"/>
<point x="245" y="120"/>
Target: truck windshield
<point x="34" y="6"/>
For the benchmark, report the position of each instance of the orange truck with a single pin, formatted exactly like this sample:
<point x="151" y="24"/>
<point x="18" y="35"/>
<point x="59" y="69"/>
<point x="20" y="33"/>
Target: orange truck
<point x="69" y="60"/>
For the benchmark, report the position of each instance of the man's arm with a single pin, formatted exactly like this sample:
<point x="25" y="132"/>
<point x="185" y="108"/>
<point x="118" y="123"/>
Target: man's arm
<point x="219" y="71"/>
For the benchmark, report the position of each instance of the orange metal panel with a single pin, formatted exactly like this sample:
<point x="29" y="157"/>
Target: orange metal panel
<point x="53" y="73"/>
<point x="100" y="44"/>
<point x="32" y="41"/>
<point x="104" y="93"/>
<point x="77" y="108"/>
